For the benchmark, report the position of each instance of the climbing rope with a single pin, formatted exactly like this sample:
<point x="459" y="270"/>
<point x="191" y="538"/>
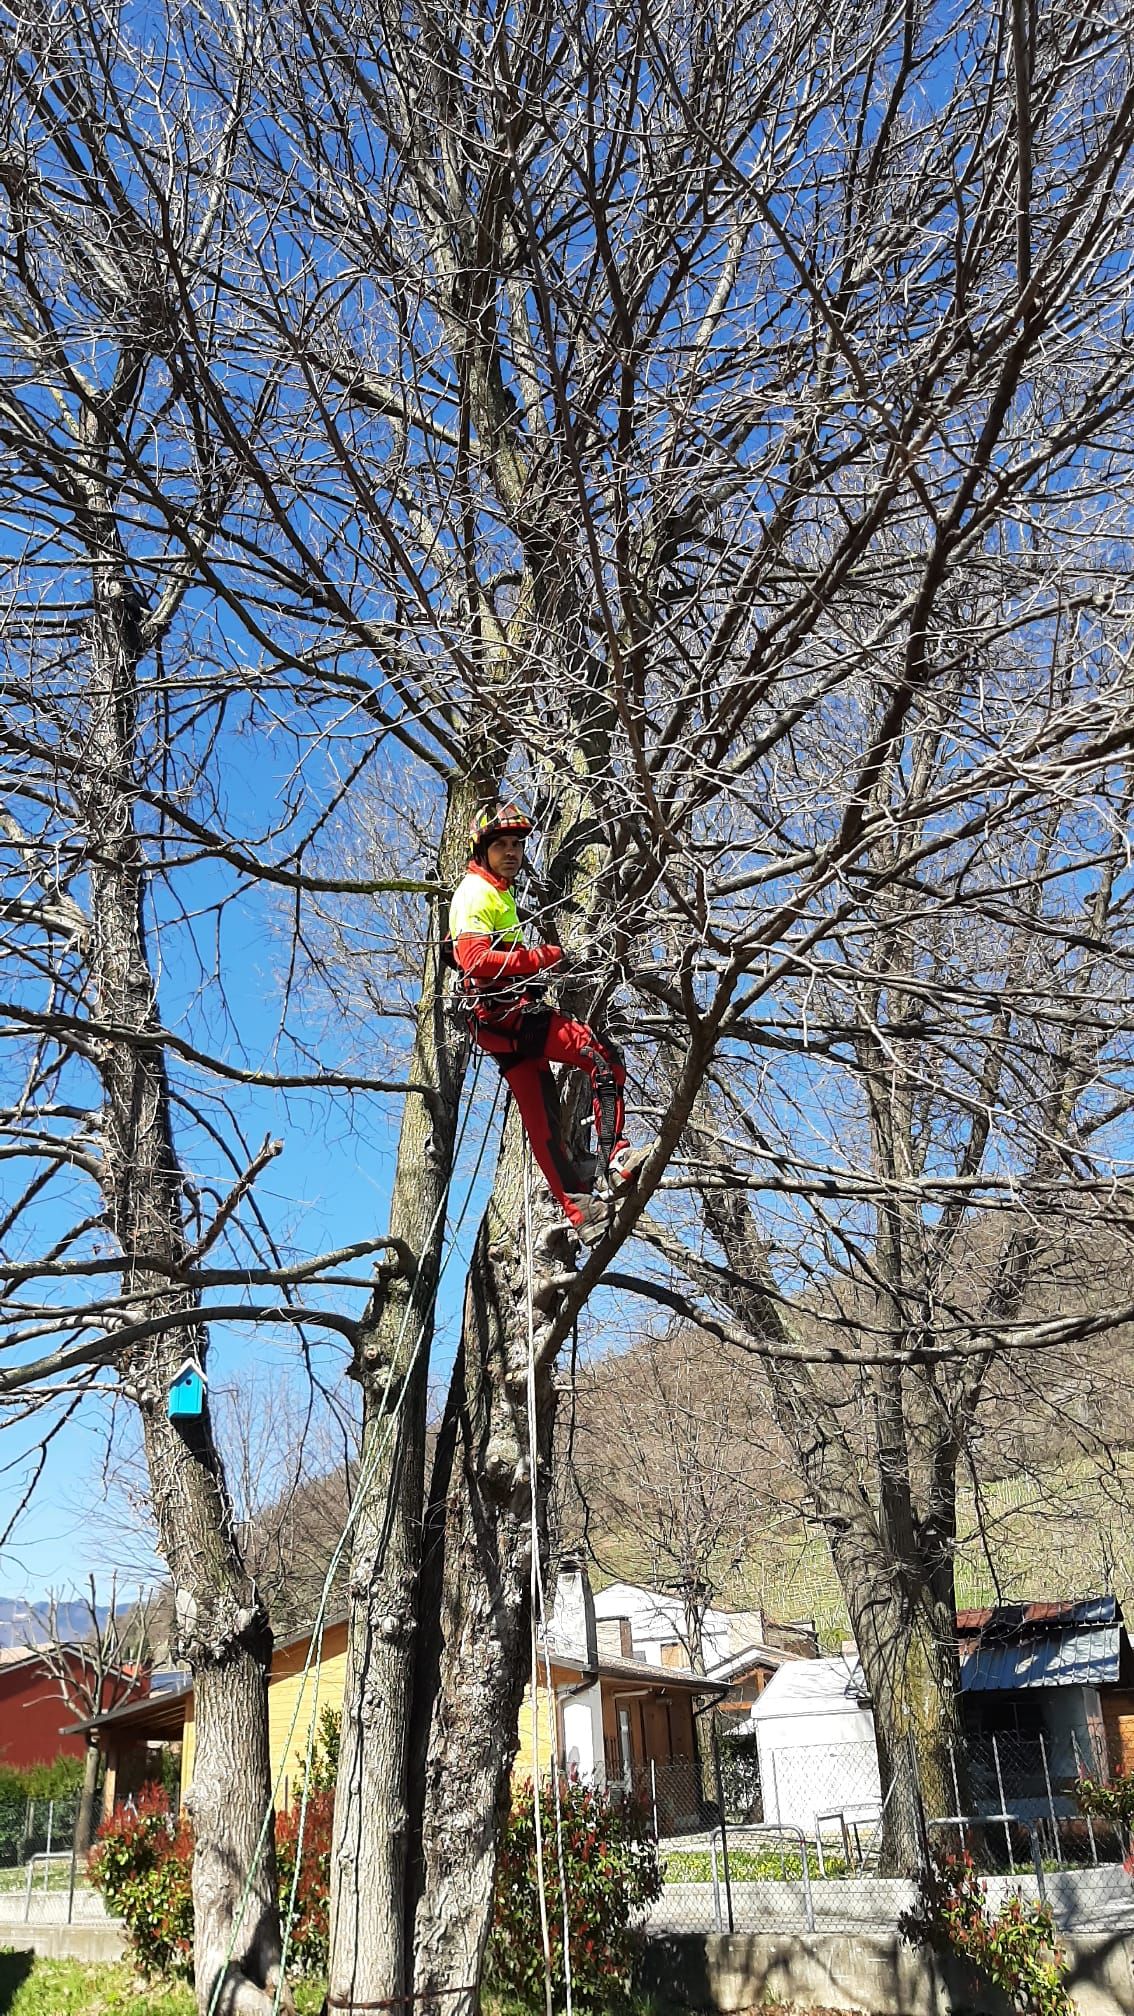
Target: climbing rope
<point x="538" y="1607"/>
<point x="314" y="1651"/>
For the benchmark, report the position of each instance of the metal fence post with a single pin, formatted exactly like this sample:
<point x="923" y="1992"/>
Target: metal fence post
<point x="654" y="1798"/>
<point x="1003" y="1804"/>
<point x="71" y="1884"/>
<point x="808" y="1900"/>
<point x="715" y="1748"/>
<point x="1056" y="1842"/>
<point x="957" y="1795"/>
<point x="1079" y="1774"/>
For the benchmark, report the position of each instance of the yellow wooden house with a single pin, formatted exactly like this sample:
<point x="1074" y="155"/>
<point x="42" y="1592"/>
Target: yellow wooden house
<point x="610" y="1719"/>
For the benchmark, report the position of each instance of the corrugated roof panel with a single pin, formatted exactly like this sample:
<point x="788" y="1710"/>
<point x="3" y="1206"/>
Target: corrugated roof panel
<point x="1073" y="1659"/>
<point x="1009" y="1617"/>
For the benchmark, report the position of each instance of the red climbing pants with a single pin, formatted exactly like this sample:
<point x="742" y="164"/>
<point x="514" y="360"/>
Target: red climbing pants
<point x="528" y="1072"/>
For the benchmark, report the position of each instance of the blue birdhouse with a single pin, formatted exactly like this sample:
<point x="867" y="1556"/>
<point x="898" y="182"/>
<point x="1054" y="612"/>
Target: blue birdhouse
<point x="187" y="1393"/>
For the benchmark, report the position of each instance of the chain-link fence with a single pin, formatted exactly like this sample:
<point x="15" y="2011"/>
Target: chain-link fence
<point x="43" y="1878"/>
<point x="804" y="1838"/>
<point x="1014" y="1809"/>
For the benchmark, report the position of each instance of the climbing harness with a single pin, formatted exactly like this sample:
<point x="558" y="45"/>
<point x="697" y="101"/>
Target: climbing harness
<point x="474" y="1007"/>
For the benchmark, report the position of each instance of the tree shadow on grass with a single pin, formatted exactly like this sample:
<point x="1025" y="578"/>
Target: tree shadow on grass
<point x="14" y="1971"/>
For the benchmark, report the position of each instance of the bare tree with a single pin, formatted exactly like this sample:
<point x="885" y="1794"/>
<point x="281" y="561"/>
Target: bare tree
<point x="966" y="1067"/>
<point x="677" y="1469"/>
<point x="716" y="425"/>
<point x="106" y="722"/>
<point x="95" y="1671"/>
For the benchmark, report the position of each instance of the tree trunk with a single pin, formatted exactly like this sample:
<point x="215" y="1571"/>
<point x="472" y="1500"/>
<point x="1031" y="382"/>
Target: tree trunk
<point x="85" y="1818"/>
<point x="895" y="1566"/>
<point x="477" y="1579"/>
<point x="236" y="1921"/>
<point x="906" y="1638"/>
<point x="222" y="1627"/>
<point x="368" y="1863"/>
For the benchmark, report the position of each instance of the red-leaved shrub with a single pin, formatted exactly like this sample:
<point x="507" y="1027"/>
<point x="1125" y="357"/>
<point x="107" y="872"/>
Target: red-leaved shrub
<point x="611" y="1874"/>
<point x="142" y="1861"/>
<point x="1015" y="1947"/>
<point x="307" y="1944"/>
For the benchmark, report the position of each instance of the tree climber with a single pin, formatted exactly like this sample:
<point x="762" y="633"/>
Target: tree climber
<point x="513" y="1024"/>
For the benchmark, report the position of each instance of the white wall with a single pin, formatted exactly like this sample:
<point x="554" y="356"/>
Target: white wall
<point x="657" y="1620"/>
<point x="819" y="1764"/>
<point x="581" y="1733"/>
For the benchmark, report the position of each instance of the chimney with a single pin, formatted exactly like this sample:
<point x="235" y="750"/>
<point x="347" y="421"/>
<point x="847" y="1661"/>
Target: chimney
<point x="616" y="1635"/>
<point x="572" y="1626"/>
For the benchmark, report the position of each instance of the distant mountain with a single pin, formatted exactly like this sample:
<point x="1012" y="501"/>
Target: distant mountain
<point x="23" y="1623"/>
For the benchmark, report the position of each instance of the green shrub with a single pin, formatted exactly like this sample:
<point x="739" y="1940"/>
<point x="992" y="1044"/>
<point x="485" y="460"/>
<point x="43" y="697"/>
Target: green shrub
<point x="739" y="1753"/>
<point x="1015" y="1948"/>
<point x="61" y="1779"/>
<point x="142" y="1861"/>
<point x="611" y="1875"/>
<point x="324" y="1770"/>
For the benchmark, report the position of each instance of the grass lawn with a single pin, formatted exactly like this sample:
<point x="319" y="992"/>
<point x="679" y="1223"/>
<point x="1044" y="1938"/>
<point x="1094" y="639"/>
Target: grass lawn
<point x="48" y="1876"/>
<point x="33" y="1987"/>
<point x="747" y="1865"/>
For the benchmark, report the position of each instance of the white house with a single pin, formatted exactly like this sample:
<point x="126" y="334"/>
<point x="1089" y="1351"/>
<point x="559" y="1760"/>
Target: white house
<point x="648" y="1624"/>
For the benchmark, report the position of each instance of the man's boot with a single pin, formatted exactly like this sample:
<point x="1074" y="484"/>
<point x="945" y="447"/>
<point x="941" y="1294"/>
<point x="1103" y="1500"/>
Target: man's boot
<point x="593" y="1218"/>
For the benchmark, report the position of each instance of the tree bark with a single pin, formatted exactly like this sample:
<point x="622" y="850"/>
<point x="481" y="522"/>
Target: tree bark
<point x="222" y="1627"/>
<point x="904" y="1625"/>
<point x="368" y="1863"/>
<point x="85" y="1818"/>
<point x="894" y="1561"/>
<point x="477" y="1581"/>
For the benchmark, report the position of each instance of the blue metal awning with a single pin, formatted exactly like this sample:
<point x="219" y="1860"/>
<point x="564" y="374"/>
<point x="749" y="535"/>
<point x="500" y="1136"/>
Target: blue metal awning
<point x="1082" y="1658"/>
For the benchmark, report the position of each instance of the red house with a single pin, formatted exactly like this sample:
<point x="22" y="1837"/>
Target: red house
<point x="34" y="1712"/>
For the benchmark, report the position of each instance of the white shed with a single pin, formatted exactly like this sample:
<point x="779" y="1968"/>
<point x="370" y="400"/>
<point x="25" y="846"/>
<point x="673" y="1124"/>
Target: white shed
<point x="815" y="1737"/>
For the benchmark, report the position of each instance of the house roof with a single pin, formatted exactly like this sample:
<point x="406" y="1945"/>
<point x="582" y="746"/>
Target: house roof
<point x="157" y="1717"/>
<point x="812" y="1687"/>
<point x="1076" y="1643"/>
<point x="162" y="1716"/>
<point x="1070" y="1659"/>
<point x="14" y="1656"/>
<point x="610" y="1668"/>
<point x="1014" y="1646"/>
<point x="1009" y="1620"/>
<point x="752" y="1656"/>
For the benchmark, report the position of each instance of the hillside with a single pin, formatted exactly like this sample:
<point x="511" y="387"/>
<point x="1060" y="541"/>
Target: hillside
<point x="675" y="1475"/>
